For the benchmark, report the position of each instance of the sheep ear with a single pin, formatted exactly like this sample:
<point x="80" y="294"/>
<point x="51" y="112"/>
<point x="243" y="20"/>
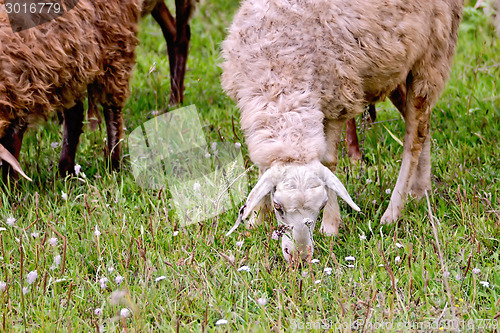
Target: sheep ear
<point x="333" y="183"/>
<point x="263" y="187"/>
<point x="9" y="158"/>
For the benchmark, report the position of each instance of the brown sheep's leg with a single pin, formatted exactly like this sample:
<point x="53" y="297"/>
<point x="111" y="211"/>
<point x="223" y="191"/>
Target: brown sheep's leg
<point x="415" y="166"/>
<point x="73" y="123"/>
<point x="351" y="138"/>
<point x="114" y="127"/>
<point x="12" y="141"/>
<point x="177" y="33"/>
<point x="331" y="213"/>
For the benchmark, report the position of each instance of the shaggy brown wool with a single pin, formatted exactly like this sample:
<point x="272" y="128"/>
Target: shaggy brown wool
<point x="49" y="67"/>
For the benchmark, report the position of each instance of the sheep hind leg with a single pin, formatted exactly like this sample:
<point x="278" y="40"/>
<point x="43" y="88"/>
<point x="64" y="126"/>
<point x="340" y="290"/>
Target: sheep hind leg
<point x="12" y="141"/>
<point x="416" y="112"/>
<point x="114" y="127"/>
<point x="73" y="124"/>
<point x="331" y="213"/>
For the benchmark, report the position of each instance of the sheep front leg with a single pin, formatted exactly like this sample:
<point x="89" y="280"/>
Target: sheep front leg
<point x="114" y="127"/>
<point x="415" y="167"/>
<point x="73" y="123"/>
<point x="331" y="213"/>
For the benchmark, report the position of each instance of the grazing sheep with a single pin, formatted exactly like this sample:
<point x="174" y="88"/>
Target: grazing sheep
<point x="299" y="69"/>
<point x="49" y="68"/>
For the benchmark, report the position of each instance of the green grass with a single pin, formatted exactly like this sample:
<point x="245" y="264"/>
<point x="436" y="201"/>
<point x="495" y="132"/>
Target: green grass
<point x="202" y="284"/>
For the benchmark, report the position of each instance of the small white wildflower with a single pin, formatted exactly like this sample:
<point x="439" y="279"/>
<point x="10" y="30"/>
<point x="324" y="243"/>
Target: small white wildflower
<point x="328" y="270"/>
<point x="57" y="260"/>
<point x="388" y="191"/>
<point x="54" y="145"/>
<point x="11" y="221"/>
<point x="397" y="260"/>
<point x="196" y="186"/>
<point x="317" y="282"/>
<point x="98" y="311"/>
<point x="237" y="145"/>
<point x="476" y="271"/>
<point x="362" y="237"/>
<point x="207" y="155"/>
<point x="446" y="274"/>
<point x="78" y="168"/>
<point x="374" y="202"/>
<point x="484" y="283"/>
<point x="350" y="258"/>
<point x="159" y="278"/>
<point x="399" y="245"/>
<point x="3" y="285"/>
<point x="214" y="146"/>
<point x="53" y="241"/>
<point x="275" y="235"/>
<point x="221" y="322"/>
<point x="124" y="313"/>
<point x="305" y="273"/>
<point x="103" y="282"/>
<point x="368" y="181"/>
<point x="35" y="234"/>
<point x="458" y="277"/>
<point x="111" y="269"/>
<point x="244" y="268"/>
<point x="64" y="196"/>
<point x="118" y="279"/>
<point x="261" y="301"/>
<point x="175" y="233"/>
<point x="240" y="243"/>
<point x="25" y="290"/>
<point x="31" y="277"/>
<point x="351" y="266"/>
<point x="381" y="265"/>
<point x="314" y="261"/>
<point x="97" y="233"/>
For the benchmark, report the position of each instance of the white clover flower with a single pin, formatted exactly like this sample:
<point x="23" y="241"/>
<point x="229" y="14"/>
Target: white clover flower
<point x="314" y="261"/>
<point x="175" y="233"/>
<point x="262" y="301"/>
<point x="362" y="237"/>
<point x="350" y="258"/>
<point x="160" y="278"/>
<point x="240" y="243"/>
<point x="3" y="285"/>
<point x="124" y="313"/>
<point x="397" y="260"/>
<point x="476" y="271"/>
<point x="98" y="311"/>
<point x="11" y="221"/>
<point x="25" y="290"/>
<point x="31" y="277"/>
<point x="196" y="186"/>
<point x="388" y="191"/>
<point x="118" y="279"/>
<point x="399" y="245"/>
<point x="111" y="269"/>
<point x="328" y="270"/>
<point x="78" y="167"/>
<point x="54" y="145"/>
<point x="244" y="268"/>
<point x="53" y="241"/>
<point x="317" y="282"/>
<point x="103" y="282"/>
<point x="484" y="283"/>
<point x="64" y="196"/>
<point x="221" y="322"/>
<point x="237" y="145"/>
<point x="97" y="233"/>
<point x="35" y="234"/>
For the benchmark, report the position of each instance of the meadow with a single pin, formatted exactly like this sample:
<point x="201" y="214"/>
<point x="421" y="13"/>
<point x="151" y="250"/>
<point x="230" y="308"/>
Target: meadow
<point x="110" y="255"/>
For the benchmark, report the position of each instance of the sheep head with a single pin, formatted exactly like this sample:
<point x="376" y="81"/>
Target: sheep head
<point x="298" y="193"/>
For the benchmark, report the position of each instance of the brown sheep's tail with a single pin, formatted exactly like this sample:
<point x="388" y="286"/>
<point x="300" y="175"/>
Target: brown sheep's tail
<point x="9" y="158"/>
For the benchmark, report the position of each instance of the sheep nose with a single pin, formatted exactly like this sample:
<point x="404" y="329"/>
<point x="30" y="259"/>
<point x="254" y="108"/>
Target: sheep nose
<point x="308" y="222"/>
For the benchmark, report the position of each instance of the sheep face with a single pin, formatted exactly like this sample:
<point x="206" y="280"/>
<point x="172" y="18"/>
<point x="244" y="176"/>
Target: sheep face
<point x="298" y="193"/>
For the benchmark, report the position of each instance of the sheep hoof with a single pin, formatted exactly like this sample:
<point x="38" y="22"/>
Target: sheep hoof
<point x="390" y="216"/>
<point x="330" y="229"/>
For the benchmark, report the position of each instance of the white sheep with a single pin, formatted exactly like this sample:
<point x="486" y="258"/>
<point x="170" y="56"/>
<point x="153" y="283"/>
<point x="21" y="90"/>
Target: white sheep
<point x="299" y="69"/>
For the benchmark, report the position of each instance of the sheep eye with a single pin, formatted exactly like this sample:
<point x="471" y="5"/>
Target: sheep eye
<point x="278" y="207"/>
